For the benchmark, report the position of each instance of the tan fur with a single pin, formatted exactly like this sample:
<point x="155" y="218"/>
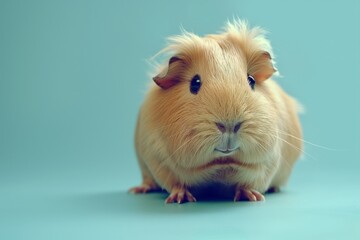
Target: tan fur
<point x="176" y="133"/>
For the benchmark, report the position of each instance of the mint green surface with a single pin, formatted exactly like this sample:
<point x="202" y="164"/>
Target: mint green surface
<point x="73" y="75"/>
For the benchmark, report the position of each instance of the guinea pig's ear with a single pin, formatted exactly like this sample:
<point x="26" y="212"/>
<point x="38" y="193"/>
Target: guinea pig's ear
<point x="170" y="76"/>
<point x="260" y="66"/>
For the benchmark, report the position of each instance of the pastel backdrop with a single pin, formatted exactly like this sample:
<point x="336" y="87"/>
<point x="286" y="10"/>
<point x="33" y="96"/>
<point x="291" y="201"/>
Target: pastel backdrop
<point x="73" y="75"/>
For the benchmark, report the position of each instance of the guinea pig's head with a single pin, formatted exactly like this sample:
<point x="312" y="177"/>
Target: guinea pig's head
<point x="211" y="98"/>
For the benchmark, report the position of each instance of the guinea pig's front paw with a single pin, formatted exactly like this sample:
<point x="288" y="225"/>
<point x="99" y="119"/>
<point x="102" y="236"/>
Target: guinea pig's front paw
<point x="248" y="194"/>
<point x="180" y="195"/>
<point x="144" y="188"/>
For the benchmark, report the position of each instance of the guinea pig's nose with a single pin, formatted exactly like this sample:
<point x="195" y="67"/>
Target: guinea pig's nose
<point x="228" y="127"/>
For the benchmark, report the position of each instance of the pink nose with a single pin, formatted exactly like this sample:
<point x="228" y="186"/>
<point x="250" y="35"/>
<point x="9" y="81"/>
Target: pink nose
<point x="228" y="127"/>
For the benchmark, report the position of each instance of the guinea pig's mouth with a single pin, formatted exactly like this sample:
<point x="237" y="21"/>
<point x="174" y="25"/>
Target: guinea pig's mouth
<point x="225" y="161"/>
<point x="226" y="151"/>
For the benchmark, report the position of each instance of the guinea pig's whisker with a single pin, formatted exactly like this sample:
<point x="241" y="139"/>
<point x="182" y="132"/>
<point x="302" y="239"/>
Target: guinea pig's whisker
<point x="261" y="146"/>
<point x="191" y="162"/>
<point x="181" y="146"/>
<point x="310" y="143"/>
<point x="254" y="136"/>
<point x="276" y="135"/>
<point x="159" y="129"/>
<point x="164" y="162"/>
<point x="201" y="146"/>
<point x="297" y="148"/>
<point x="176" y="164"/>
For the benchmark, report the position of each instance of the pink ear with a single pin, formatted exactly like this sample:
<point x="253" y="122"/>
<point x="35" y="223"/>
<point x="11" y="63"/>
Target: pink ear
<point x="170" y="76"/>
<point x="261" y="67"/>
<point x="164" y="83"/>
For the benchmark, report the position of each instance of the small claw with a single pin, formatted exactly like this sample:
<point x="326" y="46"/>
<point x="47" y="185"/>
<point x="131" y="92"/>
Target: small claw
<point x="250" y="195"/>
<point x="190" y="197"/>
<point x="258" y="196"/>
<point x="237" y="196"/>
<point x="170" y="198"/>
<point x="180" y="196"/>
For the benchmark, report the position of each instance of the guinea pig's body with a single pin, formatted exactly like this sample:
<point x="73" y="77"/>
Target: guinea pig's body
<point x="213" y="115"/>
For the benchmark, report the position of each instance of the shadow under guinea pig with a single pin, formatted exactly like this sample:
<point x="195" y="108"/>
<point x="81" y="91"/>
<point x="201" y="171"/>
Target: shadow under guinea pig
<point x="117" y="203"/>
<point x="217" y="192"/>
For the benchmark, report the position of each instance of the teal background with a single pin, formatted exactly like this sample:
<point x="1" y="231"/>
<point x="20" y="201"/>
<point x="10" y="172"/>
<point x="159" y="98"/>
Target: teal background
<point x="73" y="75"/>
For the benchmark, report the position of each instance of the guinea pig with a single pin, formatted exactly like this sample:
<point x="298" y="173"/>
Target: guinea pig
<point x="213" y="115"/>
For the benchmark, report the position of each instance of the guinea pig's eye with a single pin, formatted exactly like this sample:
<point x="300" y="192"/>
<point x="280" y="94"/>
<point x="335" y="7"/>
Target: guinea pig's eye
<point x="251" y="81"/>
<point x="195" y="84"/>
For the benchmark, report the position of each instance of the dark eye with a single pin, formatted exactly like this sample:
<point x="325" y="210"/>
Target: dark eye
<point x="251" y="81"/>
<point x="195" y="84"/>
